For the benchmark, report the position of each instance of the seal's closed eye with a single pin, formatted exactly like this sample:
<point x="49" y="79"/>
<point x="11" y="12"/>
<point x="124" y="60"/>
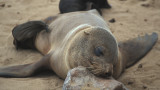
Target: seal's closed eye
<point x="99" y="51"/>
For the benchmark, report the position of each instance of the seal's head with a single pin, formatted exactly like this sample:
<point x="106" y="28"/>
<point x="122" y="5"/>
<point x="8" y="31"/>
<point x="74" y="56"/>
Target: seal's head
<point x="94" y="48"/>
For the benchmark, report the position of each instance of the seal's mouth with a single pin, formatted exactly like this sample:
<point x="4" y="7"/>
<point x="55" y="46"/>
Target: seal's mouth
<point x="102" y="70"/>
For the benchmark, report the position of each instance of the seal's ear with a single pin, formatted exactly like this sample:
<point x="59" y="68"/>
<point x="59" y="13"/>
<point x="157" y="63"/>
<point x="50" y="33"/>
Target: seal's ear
<point x="25" y="34"/>
<point x="25" y="70"/>
<point x="133" y="50"/>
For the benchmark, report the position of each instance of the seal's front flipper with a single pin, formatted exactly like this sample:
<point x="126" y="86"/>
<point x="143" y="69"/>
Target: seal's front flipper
<point x="133" y="50"/>
<point x="26" y="70"/>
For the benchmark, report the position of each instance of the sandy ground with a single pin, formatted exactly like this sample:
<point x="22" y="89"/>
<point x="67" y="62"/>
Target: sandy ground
<point x="133" y="18"/>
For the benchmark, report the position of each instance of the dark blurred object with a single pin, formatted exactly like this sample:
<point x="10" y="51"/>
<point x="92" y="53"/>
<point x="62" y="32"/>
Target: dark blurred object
<point x="66" y="6"/>
<point x="112" y="20"/>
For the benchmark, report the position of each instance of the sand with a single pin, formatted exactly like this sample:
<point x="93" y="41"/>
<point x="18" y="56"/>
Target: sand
<point x="133" y="18"/>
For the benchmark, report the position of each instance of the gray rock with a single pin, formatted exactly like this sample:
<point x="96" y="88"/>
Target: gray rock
<point x="81" y="79"/>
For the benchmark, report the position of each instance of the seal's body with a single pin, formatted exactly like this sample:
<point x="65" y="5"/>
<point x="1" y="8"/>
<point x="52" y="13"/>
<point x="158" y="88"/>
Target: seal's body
<point x="62" y="38"/>
<point x="78" y="39"/>
<point x="66" y="6"/>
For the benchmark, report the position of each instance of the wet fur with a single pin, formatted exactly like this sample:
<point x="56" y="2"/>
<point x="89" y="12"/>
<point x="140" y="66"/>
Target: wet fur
<point x="25" y="34"/>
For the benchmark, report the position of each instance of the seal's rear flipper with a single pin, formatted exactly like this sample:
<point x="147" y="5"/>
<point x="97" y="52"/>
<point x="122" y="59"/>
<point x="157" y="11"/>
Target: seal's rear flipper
<point x="25" y="34"/>
<point x="133" y="50"/>
<point x="26" y="70"/>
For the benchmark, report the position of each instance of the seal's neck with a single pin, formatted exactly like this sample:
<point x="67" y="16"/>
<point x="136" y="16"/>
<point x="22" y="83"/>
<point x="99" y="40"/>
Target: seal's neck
<point x="42" y="42"/>
<point x="119" y="65"/>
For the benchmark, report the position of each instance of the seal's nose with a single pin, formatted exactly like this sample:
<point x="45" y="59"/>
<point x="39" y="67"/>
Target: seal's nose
<point x="109" y="71"/>
<point x="108" y="74"/>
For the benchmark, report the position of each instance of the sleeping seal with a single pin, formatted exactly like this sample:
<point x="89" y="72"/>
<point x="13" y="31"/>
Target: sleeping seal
<point x="77" y="39"/>
<point x="66" y="6"/>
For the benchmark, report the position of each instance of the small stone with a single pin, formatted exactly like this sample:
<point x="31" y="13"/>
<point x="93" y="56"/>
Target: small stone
<point x="144" y="87"/>
<point x="112" y="20"/>
<point x="140" y="66"/>
<point x="121" y="23"/>
<point x="145" y="20"/>
<point x="145" y="5"/>
<point x="130" y="83"/>
<point x="18" y="12"/>
<point x="142" y="0"/>
<point x="81" y="79"/>
<point x="156" y="64"/>
<point x="9" y="5"/>
<point x="127" y="11"/>
<point x="2" y="5"/>
<point x="122" y="0"/>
